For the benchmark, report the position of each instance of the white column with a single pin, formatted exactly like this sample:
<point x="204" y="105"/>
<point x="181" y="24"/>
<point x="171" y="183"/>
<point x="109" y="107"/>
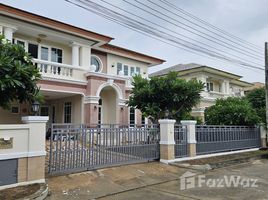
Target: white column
<point x="85" y="56"/>
<point x="227" y="89"/>
<point x="75" y="54"/>
<point x="223" y="87"/>
<point x="8" y="33"/>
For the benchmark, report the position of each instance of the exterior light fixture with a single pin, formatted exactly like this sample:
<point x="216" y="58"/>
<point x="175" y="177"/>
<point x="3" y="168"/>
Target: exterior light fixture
<point x="35" y="107"/>
<point x="166" y="113"/>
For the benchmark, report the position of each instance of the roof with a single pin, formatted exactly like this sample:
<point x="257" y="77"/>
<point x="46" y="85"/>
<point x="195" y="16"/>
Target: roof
<point x="135" y="54"/>
<point x="185" y="69"/>
<point x="57" y="25"/>
<point x="41" y="20"/>
<point x="190" y="66"/>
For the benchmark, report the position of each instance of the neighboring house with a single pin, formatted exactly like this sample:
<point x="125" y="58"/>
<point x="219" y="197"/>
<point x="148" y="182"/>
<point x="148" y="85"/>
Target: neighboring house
<point x="84" y="78"/>
<point x="218" y="83"/>
<point x="255" y="85"/>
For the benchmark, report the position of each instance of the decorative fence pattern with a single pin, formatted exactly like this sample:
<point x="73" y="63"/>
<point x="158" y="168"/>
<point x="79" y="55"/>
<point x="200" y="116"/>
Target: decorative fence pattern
<point x="75" y="148"/>
<point x="180" y="137"/>
<point x="213" y="139"/>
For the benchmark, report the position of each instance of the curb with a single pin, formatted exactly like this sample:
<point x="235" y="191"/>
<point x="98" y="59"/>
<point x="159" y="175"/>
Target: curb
<point x="221" y="164"/>
<point x="39" y="195"/>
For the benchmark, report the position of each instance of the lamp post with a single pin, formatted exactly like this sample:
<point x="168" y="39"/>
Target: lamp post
<point x="35" y="107"/>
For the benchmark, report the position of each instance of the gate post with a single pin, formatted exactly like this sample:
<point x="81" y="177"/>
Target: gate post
<point x="191" y="138"/>
<point x="167" y="141"/>
<point x="263" y="136"/>
<point x="32" y="168"/>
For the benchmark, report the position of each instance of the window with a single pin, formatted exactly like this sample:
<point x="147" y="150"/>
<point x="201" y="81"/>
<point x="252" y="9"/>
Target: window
<point x="56" y="55"/>
<point x="19" y="42"/>
<point x="99" y="112"/>
<point x="132" y="71"/>
<point x="33" y="50"/>
<point x="96" y="62"/>
<point x="119" y="68"/>
<point x="68" y="112"/>
<point x="44" y="111"/>
<point x="53" y="114"/>
<point x="44" y="56"/>
<point x="14" y="109"/>
<point x="142" y="120"/>
<point x="125" y="70"/>
<point x="209" y="86"/>
<point x="44" y="53"/>
<point x="138" y="70"/>
<point x="132" y="116"/>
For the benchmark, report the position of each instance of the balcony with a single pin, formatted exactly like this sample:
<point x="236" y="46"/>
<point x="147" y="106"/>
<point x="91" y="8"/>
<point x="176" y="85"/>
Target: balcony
<point x="58" y="71"/>
<point x="214" y="95"/>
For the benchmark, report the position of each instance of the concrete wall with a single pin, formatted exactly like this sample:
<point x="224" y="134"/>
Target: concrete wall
<point x="112" y="60"/>
<point x="77" y="114"/>
<point x="26" y="144"/>
<point x="7" y="117"/>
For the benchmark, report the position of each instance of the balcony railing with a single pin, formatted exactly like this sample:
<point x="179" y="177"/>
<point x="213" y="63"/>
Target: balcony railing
<point x="60" y="71"/>
<point x="214" y="94"/>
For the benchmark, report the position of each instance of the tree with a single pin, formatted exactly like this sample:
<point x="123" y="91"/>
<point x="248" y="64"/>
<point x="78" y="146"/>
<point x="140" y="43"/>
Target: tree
<point x="159" y="94"/>
<point x="257" y="99"/>
<point x="18" y="75"/>
<point x="231" y="111"/>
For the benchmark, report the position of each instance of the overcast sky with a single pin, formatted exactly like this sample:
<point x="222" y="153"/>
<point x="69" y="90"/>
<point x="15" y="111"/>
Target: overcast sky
<point x="243" y="18"/>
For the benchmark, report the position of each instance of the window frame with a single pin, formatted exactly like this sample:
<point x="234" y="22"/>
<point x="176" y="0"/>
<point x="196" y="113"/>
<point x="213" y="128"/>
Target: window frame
<point x="69" y="114"/>
<point x="132" y="113"/>
<point x="210" y="86"/>
<point x="126" y="70"/>
<point x="99" y="60"/>
<point x="118" y="67"/>
<point x="15" y="106"/>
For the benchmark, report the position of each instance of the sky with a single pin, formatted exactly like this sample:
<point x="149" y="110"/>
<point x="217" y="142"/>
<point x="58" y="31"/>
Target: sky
<point x="243" y="18"/>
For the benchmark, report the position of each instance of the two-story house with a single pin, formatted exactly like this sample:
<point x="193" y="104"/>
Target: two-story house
<point x="84" y="78"/>
<point x="218" y="83"/>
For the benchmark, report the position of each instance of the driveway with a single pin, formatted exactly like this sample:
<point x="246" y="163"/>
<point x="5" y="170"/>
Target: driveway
<point x="159" y="181"/>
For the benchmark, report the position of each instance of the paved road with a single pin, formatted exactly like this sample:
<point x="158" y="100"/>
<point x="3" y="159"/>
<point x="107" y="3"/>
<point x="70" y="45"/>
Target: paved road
<point x="157" y="181"/>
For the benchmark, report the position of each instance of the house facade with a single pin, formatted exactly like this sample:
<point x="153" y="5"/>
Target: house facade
<point x="218" y="83"/>
<point x="85" y="80"/>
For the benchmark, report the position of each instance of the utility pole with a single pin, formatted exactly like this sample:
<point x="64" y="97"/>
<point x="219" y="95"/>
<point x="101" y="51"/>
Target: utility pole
<point x="266" y="81"/>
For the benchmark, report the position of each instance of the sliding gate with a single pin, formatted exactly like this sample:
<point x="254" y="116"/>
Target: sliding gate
<point x="75" y="148"/>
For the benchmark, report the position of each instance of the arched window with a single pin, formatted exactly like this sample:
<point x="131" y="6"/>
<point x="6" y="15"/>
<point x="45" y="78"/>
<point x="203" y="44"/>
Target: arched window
<point x="96" y="61"/>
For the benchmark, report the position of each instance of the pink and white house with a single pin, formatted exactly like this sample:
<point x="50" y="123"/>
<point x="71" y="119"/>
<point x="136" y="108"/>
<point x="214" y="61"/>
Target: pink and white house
<point x="84" y="78"/>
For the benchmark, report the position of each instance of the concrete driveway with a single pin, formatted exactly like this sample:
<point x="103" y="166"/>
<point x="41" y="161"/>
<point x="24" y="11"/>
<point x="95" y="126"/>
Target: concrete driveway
<point x="159" y="181"/>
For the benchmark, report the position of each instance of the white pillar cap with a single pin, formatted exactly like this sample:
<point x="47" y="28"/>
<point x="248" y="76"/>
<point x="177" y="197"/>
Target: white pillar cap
<point x="34" y="119"/>
<point x="167" y="121"/>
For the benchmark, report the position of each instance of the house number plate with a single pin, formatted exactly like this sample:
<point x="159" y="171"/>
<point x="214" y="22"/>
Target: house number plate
<point x="6" y="144"/>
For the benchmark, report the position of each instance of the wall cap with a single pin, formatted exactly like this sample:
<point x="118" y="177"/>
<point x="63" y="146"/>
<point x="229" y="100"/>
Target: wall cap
<point x="188" y="122"/>
<point x="167" y="142"/>
<point x="34" y="119"/>
<point x="167" y="121"/>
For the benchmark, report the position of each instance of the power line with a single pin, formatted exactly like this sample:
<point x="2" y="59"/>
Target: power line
<point x="173" y="6"/>
<point x="103" y="9"/>
<point x="103" y="12"/>
<point x="203" y="27"/>
<point x="195" y="32"/>
<point x="166" y="28"/>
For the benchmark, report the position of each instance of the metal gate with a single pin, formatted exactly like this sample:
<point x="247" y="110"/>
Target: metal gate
<point x="75" y="148"/>
<point x="180" y="137"/>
